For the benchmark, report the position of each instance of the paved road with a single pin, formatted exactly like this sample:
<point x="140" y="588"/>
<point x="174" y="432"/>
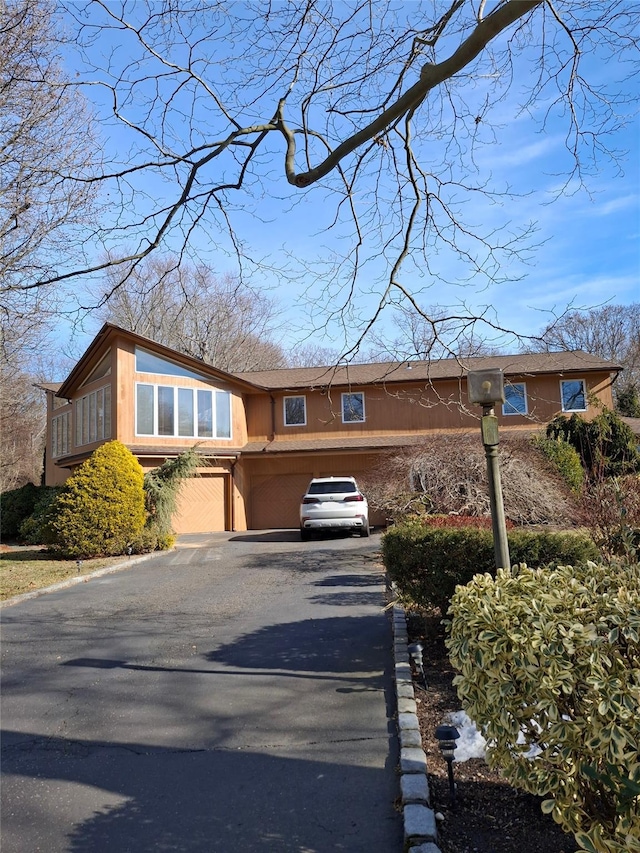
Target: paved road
<point x="235" y="696"/>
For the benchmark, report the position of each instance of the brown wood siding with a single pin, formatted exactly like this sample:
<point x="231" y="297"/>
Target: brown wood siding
<point x="202" y="505"/>
<point x="407" y="409"/>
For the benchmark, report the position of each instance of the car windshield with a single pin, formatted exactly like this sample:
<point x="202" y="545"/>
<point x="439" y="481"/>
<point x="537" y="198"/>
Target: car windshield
<point x="337" y="486"/>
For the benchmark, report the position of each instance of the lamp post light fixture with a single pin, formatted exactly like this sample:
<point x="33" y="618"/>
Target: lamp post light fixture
<point x="486" y="388"/>
<point x="415" y="650"/>
<point x="447" y="735"/>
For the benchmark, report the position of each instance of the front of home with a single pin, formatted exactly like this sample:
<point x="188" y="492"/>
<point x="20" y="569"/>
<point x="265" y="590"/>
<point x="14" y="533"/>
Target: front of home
<point x="263" y="435"/>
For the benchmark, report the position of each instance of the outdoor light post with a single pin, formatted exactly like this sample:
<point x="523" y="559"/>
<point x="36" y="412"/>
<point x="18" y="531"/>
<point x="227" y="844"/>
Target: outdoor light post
<point x="486" y="388"/>
<point x="447" y="736"/>
<point x="415" y="650"/>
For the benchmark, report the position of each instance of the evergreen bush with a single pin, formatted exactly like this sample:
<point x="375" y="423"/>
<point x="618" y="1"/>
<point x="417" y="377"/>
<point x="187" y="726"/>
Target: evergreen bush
<point x="101" y="510"/>
<point x="549" y="664"/>
<point x="427" y="563"/>
<point x="15" y="506"/>
<point x="161" y="489"/>
<point x="564" y="458"/>
<point x="606" y="444"/>
<point x="38" y="529"/>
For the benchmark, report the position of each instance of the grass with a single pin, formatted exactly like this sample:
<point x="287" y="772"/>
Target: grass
<point x="27" y="570"/>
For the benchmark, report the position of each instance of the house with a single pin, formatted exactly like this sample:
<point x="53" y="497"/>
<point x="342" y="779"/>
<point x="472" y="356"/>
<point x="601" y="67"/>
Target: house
<point x="263" y="435"/>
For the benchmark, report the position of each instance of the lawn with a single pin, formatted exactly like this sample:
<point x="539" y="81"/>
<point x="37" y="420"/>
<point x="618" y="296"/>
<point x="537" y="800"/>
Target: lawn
<point x="29" y="569"/>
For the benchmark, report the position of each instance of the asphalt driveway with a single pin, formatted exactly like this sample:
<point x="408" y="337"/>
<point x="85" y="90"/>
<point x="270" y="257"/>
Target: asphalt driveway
<point x="233" y="695"/>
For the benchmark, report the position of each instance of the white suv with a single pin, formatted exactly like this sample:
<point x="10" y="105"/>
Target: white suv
<point x="333" y="503"/>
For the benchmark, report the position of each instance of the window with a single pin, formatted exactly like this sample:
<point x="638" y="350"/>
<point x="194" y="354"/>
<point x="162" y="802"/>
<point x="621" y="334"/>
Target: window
<point x="185" y="411"/>
<point x="352" y="408"/>
<point x="573" y="394"/>
<point x="93" y="416"/>
<point x="188" y="412"/>
<point x="60" y="434"/>
<point x="515" y="403"/>
<point x="205" y="415"/>
<point x="223" y="414"/>
<point x="147" y="362"/>
<point x="295" y="411"/>
<point x="144" y="410"/>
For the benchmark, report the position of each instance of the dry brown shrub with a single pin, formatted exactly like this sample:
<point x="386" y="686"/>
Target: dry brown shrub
<point x="448" y="474"/>
<point x="611" y="512"/>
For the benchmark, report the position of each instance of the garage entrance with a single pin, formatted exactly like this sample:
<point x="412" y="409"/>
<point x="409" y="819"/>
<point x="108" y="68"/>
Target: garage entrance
<point x="275" y="499"/>
<point x="203" y="504"/>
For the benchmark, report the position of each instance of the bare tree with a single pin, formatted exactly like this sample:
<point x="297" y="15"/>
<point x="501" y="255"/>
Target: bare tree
<point x="433" y="332"/>
<point x="375" y="110"/>
<point x="22" y="429"/>
<point x="46" y="152"/>
<point x="216" y="319"/>
<point x="613" y="333"/>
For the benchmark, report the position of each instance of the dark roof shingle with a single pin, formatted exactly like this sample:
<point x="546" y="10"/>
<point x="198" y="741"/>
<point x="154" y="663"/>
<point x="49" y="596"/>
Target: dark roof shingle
<point x="385" y="373"/>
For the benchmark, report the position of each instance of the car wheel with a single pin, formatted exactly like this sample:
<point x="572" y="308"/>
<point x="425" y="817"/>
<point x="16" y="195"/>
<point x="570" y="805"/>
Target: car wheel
<point x="364" y="531"/>
<point x="305" y="535"/>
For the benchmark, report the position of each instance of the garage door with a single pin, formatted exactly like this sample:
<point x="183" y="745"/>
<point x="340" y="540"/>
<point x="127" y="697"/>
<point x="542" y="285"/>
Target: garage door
<point x="201" y="506"/>
<point x="275" y="500"/>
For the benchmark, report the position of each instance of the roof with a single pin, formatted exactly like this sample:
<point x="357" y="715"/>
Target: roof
<point x="386" y="373"/>
<point x="108" y="332"/>
<point x="381" y="373"/>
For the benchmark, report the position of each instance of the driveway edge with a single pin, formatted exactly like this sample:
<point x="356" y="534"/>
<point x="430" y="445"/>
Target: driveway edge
<point x="107" y="570"/>
<point x="420" y="829"/>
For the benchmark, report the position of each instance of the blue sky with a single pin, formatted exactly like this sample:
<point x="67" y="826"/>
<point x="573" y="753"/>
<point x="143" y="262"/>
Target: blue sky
<point x="587" y="250"/>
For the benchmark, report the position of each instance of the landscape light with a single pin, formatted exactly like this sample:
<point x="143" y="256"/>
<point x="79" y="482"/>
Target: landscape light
<point x="447" y="735"/>
<point x="415" y="650"/>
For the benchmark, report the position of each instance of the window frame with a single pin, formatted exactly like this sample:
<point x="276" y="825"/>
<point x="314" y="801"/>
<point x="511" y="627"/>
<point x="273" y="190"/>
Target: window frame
<point x="288" y="423"/>
<point x="199" y="407"/>
<point x="565" y="408"/>
<point x="92" y="416"/>
<point x="346" y="394"/>
<point x="61" y="435"/>
<point x="507" y="402"/>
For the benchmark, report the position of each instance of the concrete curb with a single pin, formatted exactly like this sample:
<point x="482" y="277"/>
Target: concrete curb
<point x="420" y="830"/>
<point x="107" y="570"/>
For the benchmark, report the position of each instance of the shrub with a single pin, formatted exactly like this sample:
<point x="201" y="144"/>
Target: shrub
<point x="611" y="512"/>
<point x="161" y="489"/>
<point x="564" y="458"/>
<point x="38" y="529"/>
<point x="607" y="446"/>
<point x="448" y="474"/>
<point x="15" y="506"/>
<point x="427" y="563"/>
<point x="549" y="665"/>
<point x="481" y="522"/>
<point x="101" y="509"/>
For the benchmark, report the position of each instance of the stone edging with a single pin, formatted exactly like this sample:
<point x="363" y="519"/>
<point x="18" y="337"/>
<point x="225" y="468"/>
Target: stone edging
<point x="76" y="579"/>
<point x="420" y="831"/>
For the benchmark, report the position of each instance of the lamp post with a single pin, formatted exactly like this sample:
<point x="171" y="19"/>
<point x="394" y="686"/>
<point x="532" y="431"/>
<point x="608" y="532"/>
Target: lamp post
<point x="447" y="736"/>
<point x="415" y="650"/>
<point x="486" y="388"/>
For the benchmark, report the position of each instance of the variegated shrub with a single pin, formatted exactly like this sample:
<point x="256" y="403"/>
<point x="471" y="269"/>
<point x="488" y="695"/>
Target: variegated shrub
<point x="549" y="665"/>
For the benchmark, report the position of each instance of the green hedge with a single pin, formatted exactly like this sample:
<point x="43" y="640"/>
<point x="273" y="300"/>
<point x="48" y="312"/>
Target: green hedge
<point x="427" y="563"/>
